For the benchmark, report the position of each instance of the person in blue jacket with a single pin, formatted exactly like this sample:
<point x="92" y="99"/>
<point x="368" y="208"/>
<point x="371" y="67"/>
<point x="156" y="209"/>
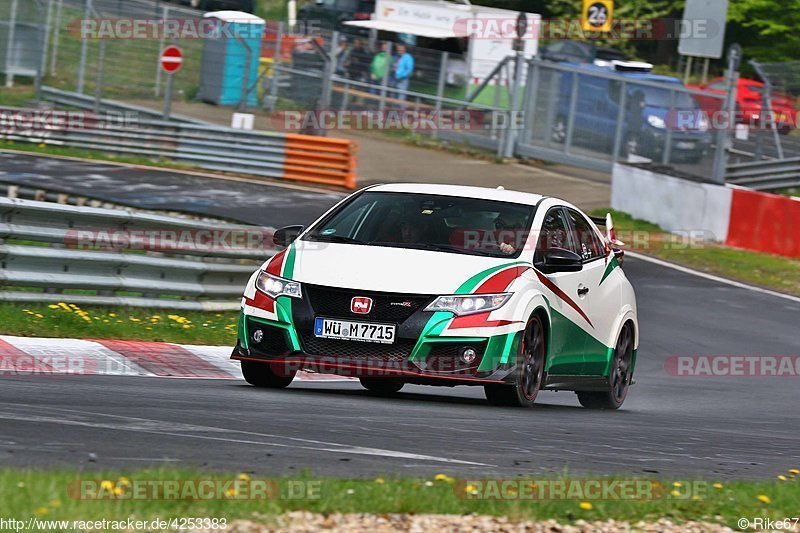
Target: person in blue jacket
<point x="402" y="70"/>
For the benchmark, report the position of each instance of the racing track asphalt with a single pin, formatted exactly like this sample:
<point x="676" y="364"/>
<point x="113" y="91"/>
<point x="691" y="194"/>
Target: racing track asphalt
<point x="673" y="426"/>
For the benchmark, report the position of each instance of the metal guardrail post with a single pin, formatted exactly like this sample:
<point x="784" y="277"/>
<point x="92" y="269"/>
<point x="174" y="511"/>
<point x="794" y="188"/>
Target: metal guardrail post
<point x="732" y="79"/>
<point x="621" y="116"/>
<point x="440" y="87"/>
<point x="511" y="136"/>
<point x="42" y="66"/>
<point x="98" y="87"/>
<point x="573" y="104"/>
<point x="330" y="72"/>
<point x="56" y="37"/>
<point x="12" y="24"/>
<point x="87" y="12"/>
<point x="161" y="42"/>
<point x="386" y="73"/>
<point x="665" y="156"/>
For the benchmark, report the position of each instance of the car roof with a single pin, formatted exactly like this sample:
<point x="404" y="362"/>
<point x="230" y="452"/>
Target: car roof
<point x="463" y="191"/>
<point x="644" y="76"/>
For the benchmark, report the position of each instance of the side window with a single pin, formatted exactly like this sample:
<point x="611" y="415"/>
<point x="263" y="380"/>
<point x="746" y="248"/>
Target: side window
<point x="718" y="86"/>
<point x="555" y="234"/>
<point x="586" y="242"/>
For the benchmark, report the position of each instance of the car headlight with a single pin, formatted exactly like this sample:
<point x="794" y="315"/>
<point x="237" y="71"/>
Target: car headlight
<point x="467" y="305"/>
<point x="656" y="122"/>
<point x="273" y="286"/>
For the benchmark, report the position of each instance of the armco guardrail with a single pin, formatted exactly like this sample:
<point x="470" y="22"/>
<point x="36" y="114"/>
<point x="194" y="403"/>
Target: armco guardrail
<point x="124" y="258"/>
<point x="766" y="175"/>
<point x="287" y="156"/>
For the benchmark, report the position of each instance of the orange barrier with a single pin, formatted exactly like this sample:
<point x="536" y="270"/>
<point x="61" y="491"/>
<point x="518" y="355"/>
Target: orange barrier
<point x="321" y="160"/>
<point x="765" y="223"/>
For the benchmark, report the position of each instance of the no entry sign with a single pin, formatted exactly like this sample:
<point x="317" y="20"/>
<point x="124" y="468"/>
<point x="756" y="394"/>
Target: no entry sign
<point x="171" y="59"/>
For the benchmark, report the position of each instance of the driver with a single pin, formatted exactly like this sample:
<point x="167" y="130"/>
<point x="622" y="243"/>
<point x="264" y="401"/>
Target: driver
<point x="510" y="228"/>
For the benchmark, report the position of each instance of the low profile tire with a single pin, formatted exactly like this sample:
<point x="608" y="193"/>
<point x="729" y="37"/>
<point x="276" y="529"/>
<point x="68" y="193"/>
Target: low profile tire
<point x="381" y="385"/>
<point x="265" y="375"/>
<point x="620" y="378"/>
<point x="529" y="373"/>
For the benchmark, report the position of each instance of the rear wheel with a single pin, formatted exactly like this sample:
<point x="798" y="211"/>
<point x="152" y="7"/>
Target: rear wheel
<point x="529" y="373"/>
<point x="266" y="375"/>
<point x="620" y="378"/>
<point x="382" y="385"/>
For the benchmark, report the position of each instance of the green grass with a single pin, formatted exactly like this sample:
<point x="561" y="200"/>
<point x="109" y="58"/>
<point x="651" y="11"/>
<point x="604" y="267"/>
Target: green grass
<point x="66" y="151"/>
<point x="20" y="95"/>
<point x="766" y="270"/>
<point x="161" y="325"/>
<point x="46" y="494"/>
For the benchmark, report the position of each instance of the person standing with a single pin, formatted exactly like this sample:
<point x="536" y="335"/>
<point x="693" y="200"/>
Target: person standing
<point x="378" y="67"/>
<point x="402" y="71"/>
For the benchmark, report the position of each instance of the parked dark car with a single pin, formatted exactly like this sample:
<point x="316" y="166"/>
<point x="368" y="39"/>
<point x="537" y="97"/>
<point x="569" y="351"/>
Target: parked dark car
<point x="579" y="52"/>
<point x="248" y="6"/>
<point x="649" y="112"/>
<point x="330" y="14"/>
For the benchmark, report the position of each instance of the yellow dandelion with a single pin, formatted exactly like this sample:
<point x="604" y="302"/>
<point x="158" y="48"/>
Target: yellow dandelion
<point x="230" y="493"/>
<point x="511" y="492"/>
<point x="718" y="485"/>
<point x="782" y="478"/>
<point x="675" y="492"/>
<point x="677" y="484"/>
<point x="107" y="485"/>
<point x="41" y="511"/>
<point x="53" y="306"/>
<point x="112" y="315"/>
<point x="123" y="481"/>
<point x="39" y="315"/>
<point x="794" y="471"/>
<point x="763" y="498"/>
<point x="55" y="504"/>
<point x="380" y="481"/>
<point x="118" y="491"/>
<point x="586" y="506"/>
<point x="243" y="477"/>
<point x="470" y="488"/>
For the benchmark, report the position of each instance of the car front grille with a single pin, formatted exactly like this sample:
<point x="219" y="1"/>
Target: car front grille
<point x="354" y="350"/>
<point x="386" y="307"/>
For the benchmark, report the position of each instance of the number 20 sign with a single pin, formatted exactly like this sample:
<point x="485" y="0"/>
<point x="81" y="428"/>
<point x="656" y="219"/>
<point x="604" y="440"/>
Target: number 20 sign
<point x="597" y="15"/>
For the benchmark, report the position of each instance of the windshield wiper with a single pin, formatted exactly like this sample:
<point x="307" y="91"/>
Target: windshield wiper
<point x="447" y="248"/>
<point x="339" y="239"/>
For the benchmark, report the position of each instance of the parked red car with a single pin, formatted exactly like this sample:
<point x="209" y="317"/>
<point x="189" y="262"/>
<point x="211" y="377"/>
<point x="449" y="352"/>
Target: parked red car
<point x="749" y="101"/>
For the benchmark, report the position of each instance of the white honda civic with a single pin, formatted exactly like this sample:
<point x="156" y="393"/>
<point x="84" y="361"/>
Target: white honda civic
<point x="446" y="285"/>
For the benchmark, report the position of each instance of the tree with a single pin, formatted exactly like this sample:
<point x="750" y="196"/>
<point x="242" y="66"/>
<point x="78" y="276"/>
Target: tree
<point x="767" y="29"/>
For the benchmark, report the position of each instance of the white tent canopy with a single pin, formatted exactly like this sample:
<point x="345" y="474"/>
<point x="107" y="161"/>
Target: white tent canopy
<point x="404" y="27"/>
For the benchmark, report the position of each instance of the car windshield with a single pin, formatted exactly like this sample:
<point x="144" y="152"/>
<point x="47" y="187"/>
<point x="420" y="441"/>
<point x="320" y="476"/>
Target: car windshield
<point x="661" y="98"/>
<point x="450" y="224"/>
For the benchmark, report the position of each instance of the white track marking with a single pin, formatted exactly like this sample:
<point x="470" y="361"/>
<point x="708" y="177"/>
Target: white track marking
<point x="144" y="425"/>
<point x="712" y="277"/>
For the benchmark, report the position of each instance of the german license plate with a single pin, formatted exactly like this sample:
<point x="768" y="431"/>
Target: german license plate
<point x="685" y="145"/>
<point x="355" y="331"/>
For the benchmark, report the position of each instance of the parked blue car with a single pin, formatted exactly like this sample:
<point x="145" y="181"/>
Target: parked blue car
<point x="648" y="114"/>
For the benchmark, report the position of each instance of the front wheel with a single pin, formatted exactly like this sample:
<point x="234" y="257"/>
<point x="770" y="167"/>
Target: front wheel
<point x="382" y="385"/>
<point x="529" y="373"/>
<point x="266" y="375"/>
<point x="620" y="378"/>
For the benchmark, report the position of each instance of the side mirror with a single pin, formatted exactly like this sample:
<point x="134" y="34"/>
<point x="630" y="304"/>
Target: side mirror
<point x="286" y="236"/>
<point x="561" y="260"/>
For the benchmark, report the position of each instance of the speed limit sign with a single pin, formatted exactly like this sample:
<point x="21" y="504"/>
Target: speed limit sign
<point x="597" y="15"/>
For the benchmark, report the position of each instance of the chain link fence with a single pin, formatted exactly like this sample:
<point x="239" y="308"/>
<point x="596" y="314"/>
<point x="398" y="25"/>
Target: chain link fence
<point x="580" y="115"/>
